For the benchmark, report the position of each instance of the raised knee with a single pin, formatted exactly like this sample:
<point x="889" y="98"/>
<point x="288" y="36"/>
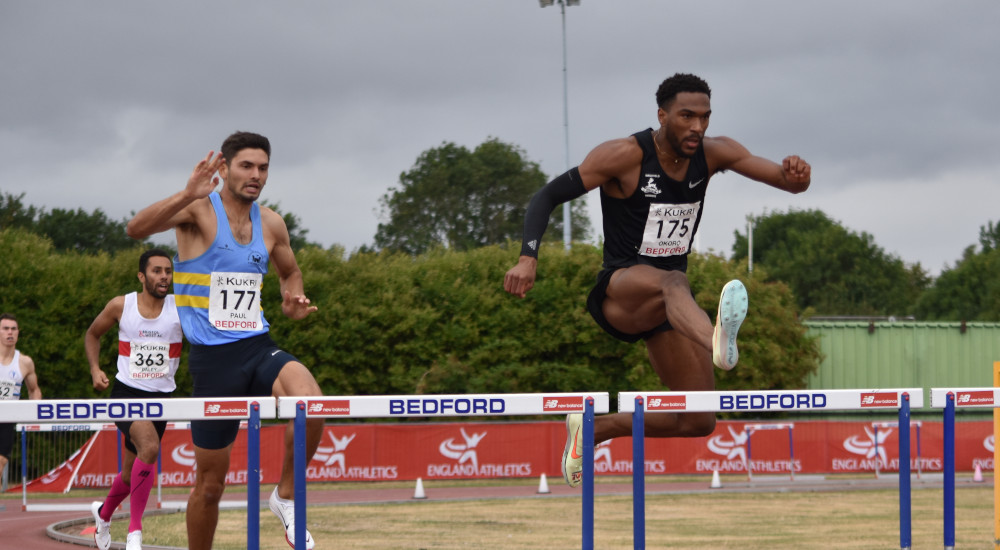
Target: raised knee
<point x="674" y="281"/>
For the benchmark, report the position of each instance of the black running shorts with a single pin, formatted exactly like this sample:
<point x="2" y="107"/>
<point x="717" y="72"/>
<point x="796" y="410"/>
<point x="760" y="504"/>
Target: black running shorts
<point x="121" y="390"/>
<point x="6" y="440"/>
<point x="595" y="305"/>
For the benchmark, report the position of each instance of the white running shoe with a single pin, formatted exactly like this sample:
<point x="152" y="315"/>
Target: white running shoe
<point x="134" y="541"/>
<point x="732" y="311"/>
<point x="572" y="462"/>
<point x="285" y="510"/>
<point x="102" y="536"/>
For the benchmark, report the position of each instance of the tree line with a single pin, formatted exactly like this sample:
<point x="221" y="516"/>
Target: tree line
<point x="394" y="323"/>
<point x="835" y="271"/>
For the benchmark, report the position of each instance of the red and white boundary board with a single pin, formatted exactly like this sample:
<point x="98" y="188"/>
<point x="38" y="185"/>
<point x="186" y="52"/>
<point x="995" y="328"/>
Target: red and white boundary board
<point x="405" y="451"/>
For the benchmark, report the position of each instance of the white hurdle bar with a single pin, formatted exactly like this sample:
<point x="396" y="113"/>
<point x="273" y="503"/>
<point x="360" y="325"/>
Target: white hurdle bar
<point x="797" y="401"/>
<point x="403" y="406"/>
<point x="85" y="411"/>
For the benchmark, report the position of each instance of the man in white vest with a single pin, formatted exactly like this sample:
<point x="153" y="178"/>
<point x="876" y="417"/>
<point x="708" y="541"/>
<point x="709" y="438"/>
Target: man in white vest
<point x="149" y="352"/>
<point x="17" y="370"/>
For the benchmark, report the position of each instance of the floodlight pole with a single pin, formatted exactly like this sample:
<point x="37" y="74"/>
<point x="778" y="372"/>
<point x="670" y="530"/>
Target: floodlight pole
<point x="567" y="221"/>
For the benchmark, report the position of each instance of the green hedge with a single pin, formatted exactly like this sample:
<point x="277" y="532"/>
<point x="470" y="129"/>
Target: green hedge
<point x="397" y="324"/>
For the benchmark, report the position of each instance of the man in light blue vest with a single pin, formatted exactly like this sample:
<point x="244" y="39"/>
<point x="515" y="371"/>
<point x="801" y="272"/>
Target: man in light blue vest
<point x="225" y="241"/>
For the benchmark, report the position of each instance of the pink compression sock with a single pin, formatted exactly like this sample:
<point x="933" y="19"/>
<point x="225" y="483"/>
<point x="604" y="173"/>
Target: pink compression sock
<point x="143" y="477"/>
<point x="119" y="490"/>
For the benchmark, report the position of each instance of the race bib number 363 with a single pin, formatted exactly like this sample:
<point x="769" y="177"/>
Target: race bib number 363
<point x="669" y="228"/>
<point x="149" y="360"/>
<point x="234" y="301"/>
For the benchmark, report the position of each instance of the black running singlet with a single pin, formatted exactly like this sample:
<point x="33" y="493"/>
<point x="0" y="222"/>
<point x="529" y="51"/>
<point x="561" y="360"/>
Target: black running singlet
<point x="656" y="225"/>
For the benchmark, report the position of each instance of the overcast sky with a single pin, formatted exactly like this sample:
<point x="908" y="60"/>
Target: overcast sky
<point x="110" y="104"/>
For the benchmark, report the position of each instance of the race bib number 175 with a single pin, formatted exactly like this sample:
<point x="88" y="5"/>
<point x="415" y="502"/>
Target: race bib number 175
<point x="669" y="228"/>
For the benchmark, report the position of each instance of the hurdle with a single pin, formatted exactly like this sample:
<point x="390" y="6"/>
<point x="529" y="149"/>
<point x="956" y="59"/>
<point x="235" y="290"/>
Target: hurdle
<point x="24" y="429"/>
<point x="80" y="411"/>
<point x="755" y="427"/>
<point x="888" y="426"/>
<point x="432" y="405"/>
<point x="797" y="401"/>
<point x="950" y="399"/>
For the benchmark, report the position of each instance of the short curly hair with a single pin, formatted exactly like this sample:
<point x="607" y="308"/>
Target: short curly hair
<point x="680" y="82"/>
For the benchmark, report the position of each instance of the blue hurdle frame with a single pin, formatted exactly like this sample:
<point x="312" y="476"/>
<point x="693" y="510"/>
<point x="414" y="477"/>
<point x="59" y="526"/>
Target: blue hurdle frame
<point x="587" y="523"/>
<point x="949" y="472"/>
<point x="639" y="471"/>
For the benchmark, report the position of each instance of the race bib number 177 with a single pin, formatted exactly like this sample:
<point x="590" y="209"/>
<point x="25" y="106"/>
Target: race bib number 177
<point x="234" y="301"/>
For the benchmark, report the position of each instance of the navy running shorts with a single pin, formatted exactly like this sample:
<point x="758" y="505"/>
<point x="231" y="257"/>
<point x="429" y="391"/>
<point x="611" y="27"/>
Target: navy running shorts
<point x="245" y="368"/>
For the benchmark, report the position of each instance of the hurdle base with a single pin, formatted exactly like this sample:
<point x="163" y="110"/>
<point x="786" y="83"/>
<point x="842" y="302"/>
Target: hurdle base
<point x="182" y="505"/>
<point x="68" y="507"/>
<point x="784" y="479"/>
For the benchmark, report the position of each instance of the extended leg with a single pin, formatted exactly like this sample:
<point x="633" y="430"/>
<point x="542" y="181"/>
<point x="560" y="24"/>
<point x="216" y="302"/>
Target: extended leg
<point x="203" y="504"/>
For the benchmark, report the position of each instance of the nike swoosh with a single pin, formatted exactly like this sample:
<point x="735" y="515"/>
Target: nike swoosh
<point x="695" y="184"/>
<point x="572" y="451"/>
<point x="275" y="352"/>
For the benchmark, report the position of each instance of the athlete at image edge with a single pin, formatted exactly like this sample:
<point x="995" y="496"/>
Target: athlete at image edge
<point x="148" y="316"/>
<point x="242" y="167"/>
<point x="10" y="333"/>
<point x="643" y="301"/>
